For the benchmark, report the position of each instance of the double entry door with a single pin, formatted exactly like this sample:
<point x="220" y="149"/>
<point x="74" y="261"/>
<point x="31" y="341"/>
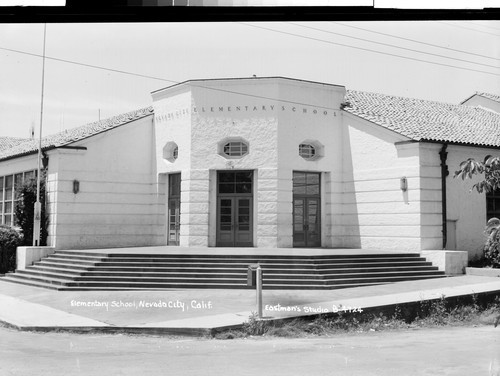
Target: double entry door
<point x="174" y="209"/>
<point x="234" y="209"/>
<point x="306" y="209"/>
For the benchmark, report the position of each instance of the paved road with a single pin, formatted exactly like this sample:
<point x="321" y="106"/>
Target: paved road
<point x="448" y="351"/>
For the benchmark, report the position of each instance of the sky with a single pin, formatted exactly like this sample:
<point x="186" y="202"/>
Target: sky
<point x="85" y="64"/>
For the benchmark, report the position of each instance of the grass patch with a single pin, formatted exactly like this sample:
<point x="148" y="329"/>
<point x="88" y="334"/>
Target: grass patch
<point x="467" y="311"/>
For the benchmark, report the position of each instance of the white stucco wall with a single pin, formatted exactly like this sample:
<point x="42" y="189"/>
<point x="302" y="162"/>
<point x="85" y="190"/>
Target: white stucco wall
<point x="376" y="213"/>
<point x="467" y="208"/>
<point x="273" y="116"/>
<point x="119" y="203"/>
<point x="314" y="118"/>
<point x="21" y="164"/>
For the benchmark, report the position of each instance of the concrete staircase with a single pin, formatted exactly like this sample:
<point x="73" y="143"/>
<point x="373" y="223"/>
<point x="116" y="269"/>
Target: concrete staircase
<point x="73" y="270"/>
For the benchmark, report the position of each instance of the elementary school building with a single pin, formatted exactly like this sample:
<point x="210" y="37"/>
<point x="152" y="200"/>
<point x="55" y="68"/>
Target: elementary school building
<point x="266" y="163"/>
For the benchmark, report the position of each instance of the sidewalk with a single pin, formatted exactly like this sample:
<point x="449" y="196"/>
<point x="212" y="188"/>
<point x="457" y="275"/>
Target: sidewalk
<point x="199" y="312"/>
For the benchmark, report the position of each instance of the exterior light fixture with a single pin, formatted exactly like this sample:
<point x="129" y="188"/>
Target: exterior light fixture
<point x="76" y="186"/>
<point x="404" y="184"/>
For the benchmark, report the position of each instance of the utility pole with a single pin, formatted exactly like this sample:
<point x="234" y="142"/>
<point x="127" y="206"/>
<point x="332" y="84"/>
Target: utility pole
<point x="38" y="205"/>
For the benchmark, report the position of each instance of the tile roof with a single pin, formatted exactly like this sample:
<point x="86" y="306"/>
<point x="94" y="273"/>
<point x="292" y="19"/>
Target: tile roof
<point x="8" y="142"/>
<point x="493" y="97"/>
<point x="72" y="135"/>
<point x="422" y="120"/>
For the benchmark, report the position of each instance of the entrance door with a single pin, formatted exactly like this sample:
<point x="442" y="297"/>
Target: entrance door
<point x="174" y="209"/>
<point x="306" y="222"/>
<point x="306" y="209"/>
<point x="234" y="209"/>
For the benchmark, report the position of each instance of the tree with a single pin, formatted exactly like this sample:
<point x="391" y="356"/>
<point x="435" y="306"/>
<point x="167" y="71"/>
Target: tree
<point x="25" y="210"/>
<point x="10" y="239"/>
<point x="490" y="167"/>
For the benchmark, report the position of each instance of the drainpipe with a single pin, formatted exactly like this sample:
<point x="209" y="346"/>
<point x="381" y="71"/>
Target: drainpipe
<point x="444" y="173"/>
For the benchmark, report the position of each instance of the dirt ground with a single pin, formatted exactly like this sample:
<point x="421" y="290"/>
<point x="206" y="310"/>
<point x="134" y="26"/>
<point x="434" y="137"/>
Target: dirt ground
<point x="441" y="351"/>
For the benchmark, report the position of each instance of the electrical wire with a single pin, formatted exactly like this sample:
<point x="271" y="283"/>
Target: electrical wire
<point x="369" y="50"/>
<point x="417" y="41"/>
<point x="468" y="28"/>
<point x="167" y="80"/>
<point x="393" y="46"/>
<point x="272" y="30"/>
<point x="488" y="27"/>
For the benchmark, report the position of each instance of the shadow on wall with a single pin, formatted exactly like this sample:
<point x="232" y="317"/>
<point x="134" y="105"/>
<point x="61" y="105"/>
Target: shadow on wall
<point x="351" y="236"/>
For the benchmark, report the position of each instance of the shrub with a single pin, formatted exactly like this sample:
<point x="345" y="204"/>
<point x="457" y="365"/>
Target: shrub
<point x="10" y="239"/>
<point x="25" y="210"/>
<point x="492" y="246"/>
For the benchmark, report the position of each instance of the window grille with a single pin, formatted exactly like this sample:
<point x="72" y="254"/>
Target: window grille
<point x="307" y="151"/>
<point x="235" y="149"/>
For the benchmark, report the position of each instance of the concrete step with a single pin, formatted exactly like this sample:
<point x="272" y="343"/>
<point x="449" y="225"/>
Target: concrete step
<point x="184" y="256"/>
<point x="65" y="279"/>
<point x="161" y="267"/>
<point x="30" y="282"/>
<point x="80" y="270"/>
<point x="53" y="280"/>
<point x="108" y="263"/>
<point x="193" y="271"/>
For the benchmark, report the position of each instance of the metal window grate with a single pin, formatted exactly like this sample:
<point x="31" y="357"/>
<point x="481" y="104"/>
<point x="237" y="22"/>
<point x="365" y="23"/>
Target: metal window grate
<point x="235" y="149"/>
<point x="307" y="151"/>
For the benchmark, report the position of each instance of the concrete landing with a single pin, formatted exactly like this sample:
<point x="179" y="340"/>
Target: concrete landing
<point x="201" y="312"/>
<point x="172" y="250"/>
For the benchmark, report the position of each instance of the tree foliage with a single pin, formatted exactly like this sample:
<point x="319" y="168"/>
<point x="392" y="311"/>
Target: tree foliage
<point x="25" y="210"/>
<point x="490" y="167"/>
<point x="492" y="246"/>
<point x="10" y="239"/>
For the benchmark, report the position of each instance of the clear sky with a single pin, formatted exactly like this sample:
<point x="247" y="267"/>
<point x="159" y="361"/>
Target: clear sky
<point x="444" y="61"/>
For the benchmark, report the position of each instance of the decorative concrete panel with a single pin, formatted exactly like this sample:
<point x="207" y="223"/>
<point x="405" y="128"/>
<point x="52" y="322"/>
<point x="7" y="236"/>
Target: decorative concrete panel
<point x="192" y="208"/>
<point x="267" y="230"/>
<point x="201" y="185"/>
<point x="268" y="242"/>
<point x="195" y="174"/>
<point x="268" y="173"/>
<point x="267" y="207"/>
<point x="267" y="196"/>
<point x="194" y="230"/>
<point x="194" y="219"/>
<point x="193" y="241"/>
<point x="194" y="196"/>
<point x="267" y="218"/>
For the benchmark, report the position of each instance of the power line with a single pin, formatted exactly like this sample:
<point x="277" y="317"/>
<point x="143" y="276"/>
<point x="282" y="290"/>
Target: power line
<point x="240" y="93"/>
<point x="417" y="41"/>
<point x="88" y="65"/>
<point x="488" y="27"/>
<point x="369" y="50"/>
<point x="166" y="80"/>
<point x="394" y="46"/>
<point x="468" y="28"/>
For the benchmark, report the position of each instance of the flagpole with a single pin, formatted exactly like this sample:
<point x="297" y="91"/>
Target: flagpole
<point x="38" y="206"/>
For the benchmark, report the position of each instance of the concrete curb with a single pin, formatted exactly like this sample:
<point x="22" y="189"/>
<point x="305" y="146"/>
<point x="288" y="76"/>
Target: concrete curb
<point x="485" y="272"/>
<point x="194" y="327"/>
